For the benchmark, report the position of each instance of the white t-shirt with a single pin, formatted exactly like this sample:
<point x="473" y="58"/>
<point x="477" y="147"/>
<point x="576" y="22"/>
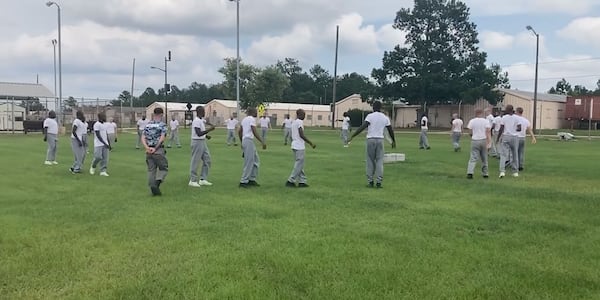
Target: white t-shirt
<point x="510" y="123"/>
<point x="346" y="123"/>
<point x="80" y="130"/>
<point x="297" y="141"/>
<point x="101" y="127"/>
<point x="288" y="123"/>
<point x="264" y="122"/>
<point x="142" y="124"/>
<point x="174" y="124"/>
<point x="457" y="125"/>
<point x="424" y="121"/>
<point x="247" y="124"/>
<point x="231" y="123"/>
<point x="497" y="120"/>
<point x="377" y="123"/>
<point x="111" y="127"/>
<point x="490" y="119"/>
<point x="198" y="123"/>
<point x="52" y="126"/>
<point x="479" y="127"/>
<point x="524" y="125"/>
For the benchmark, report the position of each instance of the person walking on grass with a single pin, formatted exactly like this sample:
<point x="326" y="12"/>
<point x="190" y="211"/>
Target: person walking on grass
<point x="78" y="142"/>
<point x="298" y="139"/>
<point x="111" y="132"/>
<point x="345" y="128"/>
<point x="509" y="126"/>
<point x="247" y="133"/>
<point x="376" y="122"/>
<point x="200" y="149"/>
<point x="231" y="125"/>
<point x="423" y="140"/>
<point x="457" y="126"/>
<point x="481" y="141"/>
<point x="287" y="130"/>
<point x="51" y="138"/>
<point x="153" y="139"/>
<point x="141" y="125"/>
<point x="102" y="146"/>
<point x="265" y="125"/>
<point x="174" y="134"/>
<point x="522" y="136"/>
<point x="489" y="116"/>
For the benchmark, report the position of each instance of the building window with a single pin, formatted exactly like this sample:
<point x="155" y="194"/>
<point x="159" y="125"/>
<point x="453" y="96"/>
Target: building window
<point x="234" y="115"/>
<point x="309" y="117"/>
<point x="319" y="117"/>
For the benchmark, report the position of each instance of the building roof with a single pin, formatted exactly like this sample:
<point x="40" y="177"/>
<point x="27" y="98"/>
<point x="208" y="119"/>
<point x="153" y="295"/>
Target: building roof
<point x="294" y="106"/>
<point x="176" y="106"/>
<point x="540" y="96"/>
<point x="226" y="103"/>
<point x="24" y="90"/>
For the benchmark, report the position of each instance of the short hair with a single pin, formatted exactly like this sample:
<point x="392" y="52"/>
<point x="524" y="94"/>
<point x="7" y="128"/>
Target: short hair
<point x="158" y="111"/>
<point x="250" y="110"/>
<point x="199" y="108"/>
<point x="519" y="110"/>
<point x="479" y="111"/>
<point x="509" y="108"/>
<point x="299" y="111"/>
<point x="377" y="105"/>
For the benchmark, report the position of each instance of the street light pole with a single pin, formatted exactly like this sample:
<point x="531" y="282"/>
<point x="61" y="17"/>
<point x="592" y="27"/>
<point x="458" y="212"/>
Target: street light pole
<point x="54" y="41"/>
<point x="167" y="59"/>
<point x="50" y="3"/>
<point x="237" y="62"/>
<point x="535" y="89"/>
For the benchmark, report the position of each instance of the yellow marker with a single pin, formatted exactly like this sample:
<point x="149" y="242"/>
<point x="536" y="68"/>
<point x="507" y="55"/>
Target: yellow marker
<point x="261" y="109"/>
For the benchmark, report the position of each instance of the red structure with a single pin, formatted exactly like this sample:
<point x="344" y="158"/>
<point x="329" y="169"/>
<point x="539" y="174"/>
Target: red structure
<point x="578" y="111"/>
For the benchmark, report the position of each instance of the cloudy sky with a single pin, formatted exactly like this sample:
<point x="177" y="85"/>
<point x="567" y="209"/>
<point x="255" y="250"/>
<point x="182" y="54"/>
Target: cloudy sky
<point x="101" y="39"/>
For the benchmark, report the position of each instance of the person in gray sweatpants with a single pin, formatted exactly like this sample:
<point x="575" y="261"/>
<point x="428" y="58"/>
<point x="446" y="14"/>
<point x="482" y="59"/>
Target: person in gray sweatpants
<point x="101" y="146"/>
<point x="153" y="139"/>
<point x="77" y="143"/>
<point x="522" y="136"/>
<point x="200" y="150"/>
<point x="247" y="133"/>
<point x="481" y="141"/>
<point x="51" y="138"/>
<point x="509" y="126"/>
<point x="298" y="147"/>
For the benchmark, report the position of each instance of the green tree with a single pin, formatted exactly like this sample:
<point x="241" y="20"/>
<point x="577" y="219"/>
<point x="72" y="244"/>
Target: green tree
<point x="268" y="86"/>
<point x="580" y="90"/>
<point x="440" y="61"/>
<point x="148" y="97"/>
<point x="354" y="83"/>
<point x="70" y="103"/>
<point x="247" y="73"/>
<point x="289" y="66"/>
<point x="563" y="87"/>
<point x="322" y="83"/>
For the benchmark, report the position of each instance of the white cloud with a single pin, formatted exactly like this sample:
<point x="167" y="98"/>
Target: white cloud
<point x="388" y="37"/>
<point x="512" y="7"/>
<point x="585" y="31"/>
<point x="492" y="40"/>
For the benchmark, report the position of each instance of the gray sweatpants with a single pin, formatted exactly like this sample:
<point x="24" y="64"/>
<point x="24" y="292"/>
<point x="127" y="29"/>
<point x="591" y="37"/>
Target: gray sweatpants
<point x="101" y="156"/>
<point x="174" y="136"/>
<point x="510" y="145"/>
<point x="52" y="140"/>
<point x="111" y="138"/>
<point x="375" y="160"/>
<point x="345" y="136"/>
<point x="521" y="151"/>
<point x="494" y="149"/>
<point x="139" y="139"/>
<point x="251" y="161"/>
<point x="79" y="153"/>
<point x="298" y="171"/>
<point x="158" y="166"/>
<point x="287" y="135"/>
<point x="199" y="152"/>
<point x="230" y="136"/>
<point x="264" y="131"/>
<point x="456" y="139"/>
<point x="423" y="141"/>
<point x="478" y="152"/>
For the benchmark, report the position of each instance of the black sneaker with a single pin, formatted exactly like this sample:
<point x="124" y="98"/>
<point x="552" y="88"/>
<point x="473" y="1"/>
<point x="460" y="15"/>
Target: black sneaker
<point x="370" y="184"/>
<point x="486" y="176"/>
<point x="253" y="183"/>
<point x="521" y="169"/>
<point x="421" y="148"/>
<point x="428" y="148"/>
<point x="158" y="182"/>
<point x="244" y="185"/>
<point x="289" y="184"/>
<point x="302" y="185"/>
<point x="469" y="176"/>
<point x="378" y="185"/>
<point x="155" y="191"/>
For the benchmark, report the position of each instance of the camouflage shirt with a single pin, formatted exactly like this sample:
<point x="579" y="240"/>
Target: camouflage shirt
<point x="153" y="131"/>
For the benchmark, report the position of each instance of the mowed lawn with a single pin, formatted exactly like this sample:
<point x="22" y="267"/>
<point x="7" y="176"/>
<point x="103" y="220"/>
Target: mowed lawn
<point x="428" y="234"/>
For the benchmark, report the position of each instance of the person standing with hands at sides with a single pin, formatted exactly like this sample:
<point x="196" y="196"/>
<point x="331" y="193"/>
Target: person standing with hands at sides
<point x="153" y="140"/>
<point x="247" y="133"/>
<point x="481" y="141"/>
<point x="509" y="127"/>
<point x="265" y="125"/>
<point x="345" y="128"/>
<point x="423" y="140"/>
<point x="287" y="130"/>
<point x="174" y="136"/>
<point x="111" y="131"/>
<point x="141" y="124"/>
<point x="522" y="136"/>
<point x="490" y="118"/>
<point x="200" y="149"/>
<point x="51" y="138"/>
<point x="376" y="122"/>
<point x="231" y="125"/>
<point x="77" y="142"/>
<point x="298" y="139"/>
<point x="457" y="126"/>
<point x="101" y="146"/>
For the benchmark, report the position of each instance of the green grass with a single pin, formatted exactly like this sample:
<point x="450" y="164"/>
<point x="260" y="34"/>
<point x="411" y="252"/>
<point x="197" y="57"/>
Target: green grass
<point x="428" y="234"/>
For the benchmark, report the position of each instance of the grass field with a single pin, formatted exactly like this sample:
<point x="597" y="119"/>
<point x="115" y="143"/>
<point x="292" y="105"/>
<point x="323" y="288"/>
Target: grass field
<point x="428" y="234"/>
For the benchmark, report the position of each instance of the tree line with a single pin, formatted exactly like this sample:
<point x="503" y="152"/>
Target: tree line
<point x="563" y="87"/>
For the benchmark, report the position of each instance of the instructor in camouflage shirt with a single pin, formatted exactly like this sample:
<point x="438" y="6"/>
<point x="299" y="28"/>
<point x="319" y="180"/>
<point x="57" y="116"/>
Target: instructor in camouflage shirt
<point x="152" y="138"/>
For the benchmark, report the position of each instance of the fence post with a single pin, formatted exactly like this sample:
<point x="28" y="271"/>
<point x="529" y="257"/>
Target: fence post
<point x="13" y="115"/>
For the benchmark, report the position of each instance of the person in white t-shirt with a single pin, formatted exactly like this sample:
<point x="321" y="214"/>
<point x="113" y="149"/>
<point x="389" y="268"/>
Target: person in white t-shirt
<point x="495" y="130"/>
<point x="457" y="126"/>
<point x="376" y="122"/>
<point x="265" y="125"/>
<point x="231" y="125"/>
<point x="101" y="146"/>
<point x="423" y="140"/>
<point x="481" y="141"/>
<point x="51" y="138"/>
<point x="141" y="125"/>
<point x="174" y="134"/>
<point x="287" y="129"/>
<point x="247" y="133"/>
<point x="200" y="150"/>
<point x="345" y="128"/>
<point x="490" y="118"/>
<point x="298" y="147"/>
<point x="111" y="131"/>
<point x="522" y="136"/>
<point x="77" y="143"/>
<point x="509" y="127"/>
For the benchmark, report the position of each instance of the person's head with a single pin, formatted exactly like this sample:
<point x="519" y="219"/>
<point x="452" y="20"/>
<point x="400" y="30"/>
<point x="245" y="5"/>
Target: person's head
<point x="454" y="116"/>
<point x="519" y="111"/>
<point x="377" y="106"/>
<point x="251" y="111"/>
<point x="231" y="117"/>
<point x="264" y="116"/>
<point x="487" y="111"/>
<point x="143" y="117"/>
<point x="102" y="117"/>
<point x="300" y="114"/>
<point x="51" y="114"/>
<point x="286" y="116"/>
<point x="157" y="113"/>
<point x="80" y="115"/>
<point x="479" y="112"/>
<point x="345" y="114"/>
<point x="200" y="111"/>
<point x="173" y="117"/>
<point x="509" y="109"/>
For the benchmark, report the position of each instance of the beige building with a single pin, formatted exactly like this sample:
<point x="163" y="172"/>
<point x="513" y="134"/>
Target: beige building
<point x="11" y="116"/>
<point x="404" y="115"/>
<point x="176" y="109"/>
<point x="217" y="111"/>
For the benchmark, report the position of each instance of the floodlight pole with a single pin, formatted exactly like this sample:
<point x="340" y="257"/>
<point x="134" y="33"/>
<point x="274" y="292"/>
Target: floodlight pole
<point x="237" y="61"/>
<point x="167" y="59"/>
<point x="337" y="38"/>
<point x="50" y="3"/>
<point x="535" y="89"/>
<point x="54" y="42"/>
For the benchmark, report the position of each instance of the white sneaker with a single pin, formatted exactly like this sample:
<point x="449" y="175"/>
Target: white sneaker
<point x="92" y="171"/>
<point x="48" y="163"/>
<point x="194" y="184"/>
<point x="104" y="174"/>
<point x="55" y="163"/>
<point x="345" y="146"/>
<point x="502" y="174"/>
<point x="204" y="182"/>
<point x="515" y="175"/>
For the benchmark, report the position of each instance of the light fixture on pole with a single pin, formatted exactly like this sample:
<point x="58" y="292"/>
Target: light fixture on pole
<point x="237" y="61"/>
<point x="50" y="3"/>
<point x="167" y="87"/>
<point x="535" y="89"/>
<point x="54" y="42"/>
